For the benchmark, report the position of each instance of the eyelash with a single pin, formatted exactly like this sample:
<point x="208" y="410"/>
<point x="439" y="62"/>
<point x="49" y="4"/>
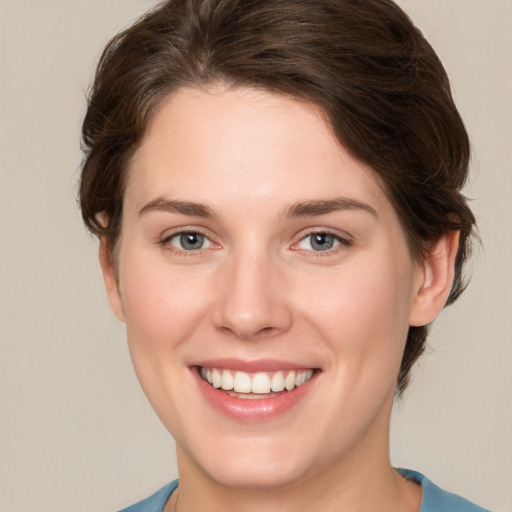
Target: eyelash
<point x="166" y="243"/>
<point x="342" y="243"/>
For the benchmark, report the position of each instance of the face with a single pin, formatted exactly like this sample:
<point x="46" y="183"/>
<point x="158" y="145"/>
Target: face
<point x="266" y="286"/>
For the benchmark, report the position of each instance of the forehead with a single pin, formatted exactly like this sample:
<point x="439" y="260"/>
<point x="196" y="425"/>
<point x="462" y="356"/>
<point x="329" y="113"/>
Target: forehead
<point x="220" y="143"/>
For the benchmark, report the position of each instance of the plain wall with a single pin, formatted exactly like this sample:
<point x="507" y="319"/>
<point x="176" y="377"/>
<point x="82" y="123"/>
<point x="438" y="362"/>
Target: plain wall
<point x="76" y="431"/>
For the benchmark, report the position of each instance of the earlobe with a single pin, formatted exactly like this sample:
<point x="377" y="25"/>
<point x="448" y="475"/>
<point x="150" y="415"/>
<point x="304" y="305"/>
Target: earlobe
<point x="436" y="278"/>
<point x="110" y="279"/>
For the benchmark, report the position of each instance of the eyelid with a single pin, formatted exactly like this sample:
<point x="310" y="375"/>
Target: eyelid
<point x="178" y="236"/>
<point x="344" y="240"/>
<point x="165" y="240"/>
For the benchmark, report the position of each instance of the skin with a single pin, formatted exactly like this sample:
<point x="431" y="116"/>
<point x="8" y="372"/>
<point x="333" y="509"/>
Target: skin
<point x="257" y="288"/>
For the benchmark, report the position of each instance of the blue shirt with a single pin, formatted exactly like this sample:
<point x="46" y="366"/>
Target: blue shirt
<point x="437" y="500"/>
<point x="434" y="498"/>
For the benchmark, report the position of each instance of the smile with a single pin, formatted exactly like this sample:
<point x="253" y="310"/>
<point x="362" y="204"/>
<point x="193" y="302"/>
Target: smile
<point x="255" y="385"/>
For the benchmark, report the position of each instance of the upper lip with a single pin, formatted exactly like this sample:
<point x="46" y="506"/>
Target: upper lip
<point x="252" y="366"/>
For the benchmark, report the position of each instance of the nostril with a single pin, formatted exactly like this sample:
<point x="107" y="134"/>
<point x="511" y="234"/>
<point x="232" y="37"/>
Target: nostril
<point x="247" y="311"/>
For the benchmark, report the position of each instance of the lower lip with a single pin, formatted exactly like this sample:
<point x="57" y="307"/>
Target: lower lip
<point x="252" y="410"/>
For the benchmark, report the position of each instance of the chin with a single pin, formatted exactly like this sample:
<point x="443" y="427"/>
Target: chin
<point x="257" y="475"/>
<point x="254" y="463"/>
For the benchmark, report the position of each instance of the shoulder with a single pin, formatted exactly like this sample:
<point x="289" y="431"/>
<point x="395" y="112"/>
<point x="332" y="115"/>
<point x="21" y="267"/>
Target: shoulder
<point x="154" y="503"/>
<point x="437" y="500"/>
<point x="434" y="498"/>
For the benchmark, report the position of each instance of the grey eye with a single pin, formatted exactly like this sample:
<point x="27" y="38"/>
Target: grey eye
<point x="320" y="242"/>
<point x="189" y="241"/>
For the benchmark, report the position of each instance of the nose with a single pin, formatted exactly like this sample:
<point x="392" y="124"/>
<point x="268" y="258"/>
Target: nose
<point x="252" y="300"/>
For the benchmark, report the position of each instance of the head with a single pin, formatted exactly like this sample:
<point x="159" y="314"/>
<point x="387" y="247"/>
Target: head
<point x="376" y="81"/>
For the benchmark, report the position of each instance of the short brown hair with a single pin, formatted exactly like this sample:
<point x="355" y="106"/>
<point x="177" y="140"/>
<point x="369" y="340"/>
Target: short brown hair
<point x="378" y="81"/>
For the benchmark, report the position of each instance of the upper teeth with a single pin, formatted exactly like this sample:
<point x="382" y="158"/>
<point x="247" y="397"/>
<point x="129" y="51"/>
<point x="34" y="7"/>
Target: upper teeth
<point x="260" y="383"/>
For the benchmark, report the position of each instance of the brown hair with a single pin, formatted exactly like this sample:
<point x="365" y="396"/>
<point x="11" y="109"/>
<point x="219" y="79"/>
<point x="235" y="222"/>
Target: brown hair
<point x="378" y="81"/>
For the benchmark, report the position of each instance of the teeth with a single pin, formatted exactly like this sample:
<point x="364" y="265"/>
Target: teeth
<point x="261" y="383"/>
<point x="216" y="378"/>
<point x="289" y="381"/>
<point x="277" y="382"/>
<point x="227" y="380"/>
<point x="242" y="383"/>
<point x="303" y="377"/>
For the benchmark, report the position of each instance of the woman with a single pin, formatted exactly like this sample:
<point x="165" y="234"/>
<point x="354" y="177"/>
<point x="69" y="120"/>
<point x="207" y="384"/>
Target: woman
<point x="276" y="186"/>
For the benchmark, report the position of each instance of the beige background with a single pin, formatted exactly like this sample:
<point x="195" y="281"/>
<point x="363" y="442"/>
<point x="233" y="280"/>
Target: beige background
<point x="76" y="432"/>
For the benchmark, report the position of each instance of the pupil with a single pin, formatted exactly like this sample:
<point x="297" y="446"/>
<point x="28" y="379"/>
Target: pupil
<point x="322" y="242"/>
<point x="191" y="241"/>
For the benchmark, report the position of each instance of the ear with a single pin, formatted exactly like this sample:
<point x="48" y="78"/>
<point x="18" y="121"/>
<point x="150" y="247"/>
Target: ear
<point x="110" y="278"/>
<point x="435" y="280"/>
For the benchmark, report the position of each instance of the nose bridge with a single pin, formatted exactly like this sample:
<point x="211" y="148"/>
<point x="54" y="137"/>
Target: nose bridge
<point x="251" y="296"/>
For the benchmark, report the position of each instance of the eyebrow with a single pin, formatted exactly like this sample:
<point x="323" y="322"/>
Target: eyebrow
<point x="300" y="209"/>
<point x="323" y="207"/>
<point x="162" y="204"/>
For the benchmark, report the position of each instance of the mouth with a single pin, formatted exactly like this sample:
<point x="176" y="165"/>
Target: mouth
<point x="255" y="386"/>
<point x="255" y="391"/>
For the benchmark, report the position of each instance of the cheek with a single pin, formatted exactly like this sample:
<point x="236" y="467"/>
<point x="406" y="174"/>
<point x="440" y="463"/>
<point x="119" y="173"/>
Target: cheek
<point x="162" y="307"/>
<point x="362" y="314"/>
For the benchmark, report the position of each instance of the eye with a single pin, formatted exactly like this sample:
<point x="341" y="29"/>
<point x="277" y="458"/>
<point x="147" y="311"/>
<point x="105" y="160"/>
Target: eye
<point x="321" y="241"/>
<point x="189" y="241"/>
